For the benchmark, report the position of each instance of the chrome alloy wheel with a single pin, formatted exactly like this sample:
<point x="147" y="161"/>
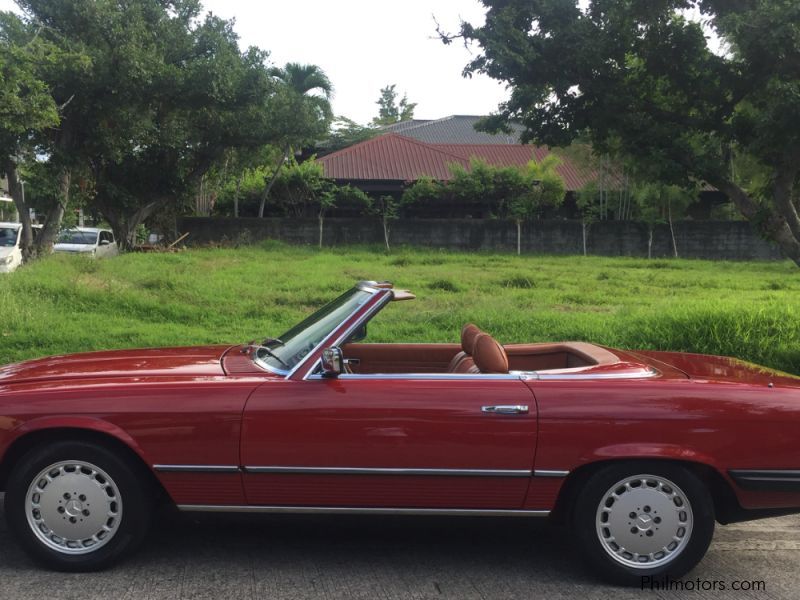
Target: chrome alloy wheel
<point x="73" y="507"/>
<point x="644" y="521"/>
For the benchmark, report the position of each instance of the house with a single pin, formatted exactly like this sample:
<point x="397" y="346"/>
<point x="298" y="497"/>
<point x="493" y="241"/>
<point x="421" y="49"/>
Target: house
<point x="410" y="150"/>
<point x="388" y="163"/>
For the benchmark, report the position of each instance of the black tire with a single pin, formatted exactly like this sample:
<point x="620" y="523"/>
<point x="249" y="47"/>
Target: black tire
<point x="126" y="485"/>
<point x="596" y="538"/>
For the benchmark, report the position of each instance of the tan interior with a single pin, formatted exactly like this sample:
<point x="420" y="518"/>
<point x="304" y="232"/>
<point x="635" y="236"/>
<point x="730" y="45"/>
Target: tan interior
<point x="440" y="358"/>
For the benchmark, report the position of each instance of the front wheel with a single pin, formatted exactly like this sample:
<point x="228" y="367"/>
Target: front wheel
<point x="76" y="506"/>
<point x="648" y="520"/>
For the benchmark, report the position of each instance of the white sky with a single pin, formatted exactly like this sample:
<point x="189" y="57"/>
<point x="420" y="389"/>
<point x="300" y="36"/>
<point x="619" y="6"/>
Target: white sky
<point x="363" y="45"/>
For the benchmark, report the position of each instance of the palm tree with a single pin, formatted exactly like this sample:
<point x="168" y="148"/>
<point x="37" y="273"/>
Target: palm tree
<point x="310" y="83"/>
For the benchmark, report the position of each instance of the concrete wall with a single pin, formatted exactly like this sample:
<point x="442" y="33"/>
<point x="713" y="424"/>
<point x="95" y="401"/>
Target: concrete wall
<point x="730" y="240"/>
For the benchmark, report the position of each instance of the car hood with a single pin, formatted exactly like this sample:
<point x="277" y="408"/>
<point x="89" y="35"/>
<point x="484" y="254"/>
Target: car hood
<point x="6" y="250"/>
<point x="196" y="361"/>
<point x="73" y="247"/>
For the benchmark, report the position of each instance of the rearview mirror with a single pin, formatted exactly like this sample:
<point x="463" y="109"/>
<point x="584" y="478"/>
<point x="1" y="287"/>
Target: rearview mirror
<point x="332" y="361"/>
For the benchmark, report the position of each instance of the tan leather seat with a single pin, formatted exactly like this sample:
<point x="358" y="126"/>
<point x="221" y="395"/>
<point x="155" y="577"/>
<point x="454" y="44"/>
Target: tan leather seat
<point x="489" y="355"/>
<point x="469" y="333"/>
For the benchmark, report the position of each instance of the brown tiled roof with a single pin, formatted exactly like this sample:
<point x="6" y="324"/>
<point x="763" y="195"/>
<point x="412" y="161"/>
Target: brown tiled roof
<point x="399" y="158"/>
<point x="390" y="157"/>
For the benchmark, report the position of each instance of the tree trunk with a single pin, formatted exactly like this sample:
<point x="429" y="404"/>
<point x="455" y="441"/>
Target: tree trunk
<point x="519" y="238"/>
<point x="583" y="234"/>
<point x="321" y="221"/>
<point x="649" y="241"/>
<point x="23" y="210"/>
<point x="236" y="197"/>
<point x="386" y="232"/>
<point x="271" y="182"/>
<point x="124" y="226"/>
<point x="671" y="229"/>
<point x="55" y="216"/>
<point x="771" y="225"/>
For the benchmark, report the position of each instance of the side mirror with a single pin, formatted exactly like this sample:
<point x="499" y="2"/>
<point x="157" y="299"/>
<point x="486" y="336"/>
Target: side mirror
<point x="332" y="362"/>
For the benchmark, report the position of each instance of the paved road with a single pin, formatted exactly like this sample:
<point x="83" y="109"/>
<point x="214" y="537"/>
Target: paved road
<point x="380" y="558"/>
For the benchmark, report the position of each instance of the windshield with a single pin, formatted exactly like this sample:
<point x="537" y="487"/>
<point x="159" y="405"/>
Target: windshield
<point x="285" y="352"/>
<point x="77" y="237"/>
<point x="8" y="237"/>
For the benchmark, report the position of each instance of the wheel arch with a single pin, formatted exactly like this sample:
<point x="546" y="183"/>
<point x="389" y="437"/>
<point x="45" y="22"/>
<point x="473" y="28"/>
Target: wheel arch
<point x="35" y="436"/>
<point x="726" y="504"/>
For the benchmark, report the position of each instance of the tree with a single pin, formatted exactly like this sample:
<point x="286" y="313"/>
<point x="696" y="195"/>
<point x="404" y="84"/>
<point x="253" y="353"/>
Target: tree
<point x="658" y="203"/>
<point x="305" y="101"/>
<point x="385" y="207"/>
<point x="346" y="132"/>
<point x="589" y="200"/>
<point x="301" y="190"/>
<point x="30" y="116"/>
<point x="390" y="110"/>
<point x="641" y="78"/>
<point x="543" y="187"/>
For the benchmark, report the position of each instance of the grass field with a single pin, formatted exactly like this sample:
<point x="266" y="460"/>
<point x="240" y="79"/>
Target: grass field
<point x="69" y="304"/>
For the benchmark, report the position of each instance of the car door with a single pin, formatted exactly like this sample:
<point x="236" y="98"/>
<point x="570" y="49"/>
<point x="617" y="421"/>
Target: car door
<point x="102" y="245"/>
<point x="390" y="441"/>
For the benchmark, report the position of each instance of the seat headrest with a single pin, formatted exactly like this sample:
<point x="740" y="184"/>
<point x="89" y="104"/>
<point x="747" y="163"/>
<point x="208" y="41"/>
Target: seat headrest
<point x="469" y="333"/>
<point x="489" y="355"/>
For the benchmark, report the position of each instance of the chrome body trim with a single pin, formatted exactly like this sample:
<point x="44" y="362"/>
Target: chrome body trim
<point x="196" y="468"/>
<point x="549" y="473"/>
<point x="544" y="376"/>
<point x="389" y="471"/>
<point x="354" y="510"/>
<point x="423" y="376"/>
<point x="325" y="342"/>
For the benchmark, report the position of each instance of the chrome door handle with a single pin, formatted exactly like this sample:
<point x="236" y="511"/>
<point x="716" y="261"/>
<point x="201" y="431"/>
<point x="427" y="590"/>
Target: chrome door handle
<point x="506" y="409"/>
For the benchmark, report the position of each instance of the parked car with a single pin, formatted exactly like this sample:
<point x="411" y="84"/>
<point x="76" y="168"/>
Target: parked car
<point x="10" y="251"/>
<point x="87" y="241"/>
<point x="638" y="452"/>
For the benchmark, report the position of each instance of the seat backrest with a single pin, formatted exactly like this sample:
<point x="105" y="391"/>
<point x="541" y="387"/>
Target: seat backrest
<point x="469" y="333"/>
<point x="489" y="355"/>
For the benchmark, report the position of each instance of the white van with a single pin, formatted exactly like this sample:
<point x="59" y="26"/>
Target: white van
<point x="10" y="252"/>
<point x="87" y="241"/>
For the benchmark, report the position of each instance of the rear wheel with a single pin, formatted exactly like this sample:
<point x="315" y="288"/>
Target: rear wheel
<point x="648" y="520"/>
<point x="76" y="506"/>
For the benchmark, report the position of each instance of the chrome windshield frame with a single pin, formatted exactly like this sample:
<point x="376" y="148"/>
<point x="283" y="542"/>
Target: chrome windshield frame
<point x="371" y="287"/>
<point x="369" y="314"/>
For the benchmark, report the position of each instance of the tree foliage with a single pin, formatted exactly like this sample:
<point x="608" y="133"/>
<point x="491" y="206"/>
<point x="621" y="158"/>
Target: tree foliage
<point x="642" y="79"/>
<point x="151" y="97"/>
<point x="390" y="110"/>
<point x="346" y="132"/>
<point x="484" y="190"/>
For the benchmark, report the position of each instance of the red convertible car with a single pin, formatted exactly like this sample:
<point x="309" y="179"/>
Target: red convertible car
<point x="640" y="453"/>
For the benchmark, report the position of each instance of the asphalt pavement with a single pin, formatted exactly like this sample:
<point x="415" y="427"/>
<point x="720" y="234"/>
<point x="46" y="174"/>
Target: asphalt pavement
<point x="381" y="558"/>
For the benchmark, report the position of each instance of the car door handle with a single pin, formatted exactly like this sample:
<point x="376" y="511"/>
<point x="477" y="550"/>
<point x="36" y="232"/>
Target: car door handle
<point x="506" y="409"/>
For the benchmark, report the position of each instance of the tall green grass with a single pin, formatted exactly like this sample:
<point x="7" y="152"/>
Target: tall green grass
<point x="70" y="304"/>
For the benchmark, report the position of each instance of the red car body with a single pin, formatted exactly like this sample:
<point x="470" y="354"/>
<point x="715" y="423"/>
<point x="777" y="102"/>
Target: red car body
<point x="221" y="433"/>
